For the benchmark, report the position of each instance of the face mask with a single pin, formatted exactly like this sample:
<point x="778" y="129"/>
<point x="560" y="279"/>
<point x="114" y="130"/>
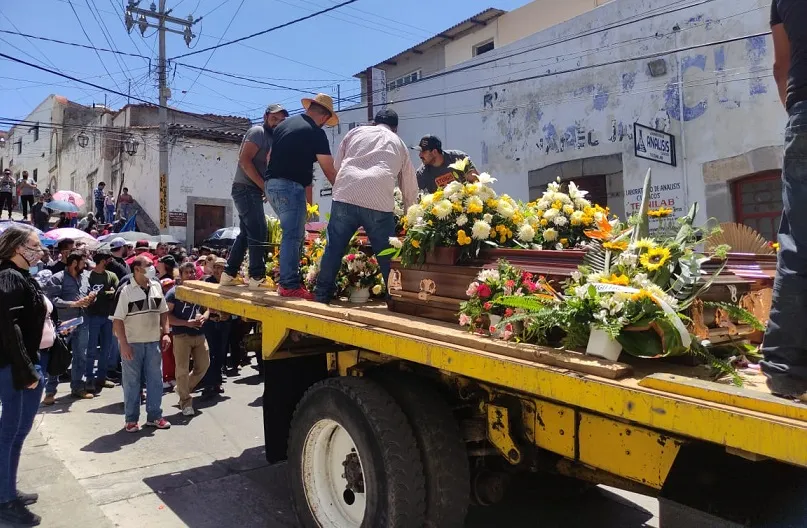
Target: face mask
<point x="31" y="256"/>
<point x="33" y="270"/>
<point x="151" y="273"/>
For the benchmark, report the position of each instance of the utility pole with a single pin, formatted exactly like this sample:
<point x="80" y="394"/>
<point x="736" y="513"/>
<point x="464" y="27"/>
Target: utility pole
<point x="144" y="21"/>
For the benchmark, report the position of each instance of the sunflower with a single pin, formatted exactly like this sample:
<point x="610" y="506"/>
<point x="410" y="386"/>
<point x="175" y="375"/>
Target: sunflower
<point x="655" y="258"/>
<point x="645" y="243"/>
<point x="642" y="295"/>
<point x="661" y="212"/>
<point x="618" y="246"/>
<point x="621" y="280"/>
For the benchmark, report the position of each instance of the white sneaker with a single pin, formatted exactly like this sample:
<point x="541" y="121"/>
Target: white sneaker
<point x="166" y="385"/>
<point x="229" y="280"/>
<point x="260" y="284"/>
<point x="188" y="411"/>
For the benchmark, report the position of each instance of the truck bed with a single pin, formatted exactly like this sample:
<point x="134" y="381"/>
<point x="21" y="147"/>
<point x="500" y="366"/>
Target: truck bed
<point x="672" y="398"/>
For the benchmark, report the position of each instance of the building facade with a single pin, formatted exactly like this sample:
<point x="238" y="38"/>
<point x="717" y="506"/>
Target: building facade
<point x="566" y="101"/>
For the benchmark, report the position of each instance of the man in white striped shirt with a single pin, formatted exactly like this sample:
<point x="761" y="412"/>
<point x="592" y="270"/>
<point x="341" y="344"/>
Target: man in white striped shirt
<point x="372" y="160"/>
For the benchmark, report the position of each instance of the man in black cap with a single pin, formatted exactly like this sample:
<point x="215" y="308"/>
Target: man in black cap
<point x="248" y="193"/>
<point x="370" y="163"/>
<point x="435" y="173"/>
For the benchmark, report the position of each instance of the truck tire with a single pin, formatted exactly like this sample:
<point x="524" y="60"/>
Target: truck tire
<point x="353" y="460"/>
<point x="442" y="451"/>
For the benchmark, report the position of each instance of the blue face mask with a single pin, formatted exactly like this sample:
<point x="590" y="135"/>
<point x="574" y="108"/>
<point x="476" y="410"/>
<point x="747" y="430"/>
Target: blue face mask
<point x="33" y="270"/>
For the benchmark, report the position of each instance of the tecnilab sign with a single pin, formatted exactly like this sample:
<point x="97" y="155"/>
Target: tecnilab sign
<point x="653" y="144"/>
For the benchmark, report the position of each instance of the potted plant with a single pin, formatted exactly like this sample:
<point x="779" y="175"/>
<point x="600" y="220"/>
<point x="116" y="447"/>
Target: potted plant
<point x="358" y="275"/>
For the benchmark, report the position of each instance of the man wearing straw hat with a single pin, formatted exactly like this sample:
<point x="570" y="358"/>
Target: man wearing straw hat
<point x="298" y="142"/>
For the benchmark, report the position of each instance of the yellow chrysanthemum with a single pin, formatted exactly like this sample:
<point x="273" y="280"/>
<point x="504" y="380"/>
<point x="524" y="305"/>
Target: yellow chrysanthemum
<point x="564" y="242"/>
<point x="618" y="246"/>
<point x="462" y="238"/>
<point x="492" y="233"/>
<point x="568" y="209"/>
<point x="492" y="203"/>
<point x="438" y="195"/>
<point x="655" y="258"/>
<point x="620" y="280"/>
<point x="415" y="243"/>
<point x="661" y="212"/>
<point x="457" y="207"/>
<point x="544" y="221"/>
<point x="471" y="189"/>
<point x="557" y="204"/>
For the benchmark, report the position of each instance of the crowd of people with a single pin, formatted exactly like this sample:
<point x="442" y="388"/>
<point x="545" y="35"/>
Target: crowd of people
<point x="115" y="311"/>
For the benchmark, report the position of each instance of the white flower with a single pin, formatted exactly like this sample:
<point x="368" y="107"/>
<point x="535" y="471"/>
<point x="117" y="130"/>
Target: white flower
<point x="462" y="220"/>
<point x="452" y="188"/>
<point x="476" y="201"/>
<point x="550" y="214"/>
<point x="543" y="204"/>
<point x="577" y="217"/>
<point x="395" y="242"/>
<point x="487" y="217"/>
<point x="442" y="209"/>
<point x="568" y="209"/>
<point x="427" y="200"/>
<point x="480" y="230"/>
<point x="553" y="186"/>
<point x="581" y="203"/>
<point x="559" y="246"/>
<point x="413" y="213"/>
<point x="398" y="210"/>
<point x="488" y="274"/>
<point x="505" y="209"/>
<point x="486" y="192"/>
<point x="627" y="258"/>
<point x="376" y="289"/>
<point x="594" y="277"/>
<point x="560" y="221"/>
<point x="471" y="291"/>
<point x="485" y="178"/>
<point x="598" y="216"/>
<point x="575" y="192"/>
<point x="576" y="276"/>
<point x="526" y="233"/>
<point x="581" y="292"/>
<point x="550" y="235"/>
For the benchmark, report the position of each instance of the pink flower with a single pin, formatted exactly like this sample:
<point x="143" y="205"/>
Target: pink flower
<point x="471" y="291"/>
<point x="464" y="320"/>
<point x="483" y="291"/>
<point x="351" y="257"/>
<point x="507" y="333"/>
<point x="492" y="329"/>
<point x="530" y="286"/>
<point x="526" y="276"/>
<point x="508" y="312"/>
<point x="487" y="306"/>
<point x="510" y="284"/>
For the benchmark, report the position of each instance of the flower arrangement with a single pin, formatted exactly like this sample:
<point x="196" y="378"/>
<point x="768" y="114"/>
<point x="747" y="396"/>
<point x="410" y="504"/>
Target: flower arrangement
<point x="398" y="211"/>
<point x="558" y="219"/>
<point x="490" y="285"/>
<point x="359" y="271"/>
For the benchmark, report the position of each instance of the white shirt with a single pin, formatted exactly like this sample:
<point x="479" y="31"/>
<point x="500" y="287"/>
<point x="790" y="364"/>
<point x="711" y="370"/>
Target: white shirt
<point x="371" y="161"/>
<point x="140" y="312"/>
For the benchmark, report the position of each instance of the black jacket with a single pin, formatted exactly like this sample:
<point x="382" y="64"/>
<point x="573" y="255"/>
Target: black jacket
<point x="22" y="318"/>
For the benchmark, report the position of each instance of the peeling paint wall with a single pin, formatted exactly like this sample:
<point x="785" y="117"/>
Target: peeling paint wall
<point x="579" y="89"/>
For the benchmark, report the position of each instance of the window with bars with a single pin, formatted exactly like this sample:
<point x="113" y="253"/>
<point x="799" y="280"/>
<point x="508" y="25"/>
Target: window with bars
<point x="758" y="202"/>
<point x="404" y="80"/>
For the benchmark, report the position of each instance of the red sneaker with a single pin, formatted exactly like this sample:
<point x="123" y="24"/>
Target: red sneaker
<point x="298" y="293"/>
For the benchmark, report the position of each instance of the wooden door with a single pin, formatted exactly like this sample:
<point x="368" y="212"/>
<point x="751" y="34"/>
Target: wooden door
<point x="207" y="219"/>
<point x="758" y="202"/>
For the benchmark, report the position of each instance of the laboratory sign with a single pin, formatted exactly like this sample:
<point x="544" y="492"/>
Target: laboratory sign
<point x="653" y="144"/>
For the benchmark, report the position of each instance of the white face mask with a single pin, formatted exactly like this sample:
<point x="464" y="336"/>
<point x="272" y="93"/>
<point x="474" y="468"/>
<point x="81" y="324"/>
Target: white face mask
<point x="151" y="273"/>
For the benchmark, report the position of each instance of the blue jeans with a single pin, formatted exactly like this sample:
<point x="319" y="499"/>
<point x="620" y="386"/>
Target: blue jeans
<point x="785" y="344"/>
<point x="78" y="344"/>
<point x="124" y="209"/>
<point x="144" y="367"/>
<point x="287" y="198"/>
<point x="248" y="201"/>
<point x="99" y="211"/>
<point x="51" y="382"/>
<point x="16" y="419"/>
<point x="218" y="341"/>
<point x="100" y="334"/>
<point x="345" y="220"/>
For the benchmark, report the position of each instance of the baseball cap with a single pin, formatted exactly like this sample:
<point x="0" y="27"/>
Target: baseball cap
<point x="220" y="262"/>
<point x="275" y="108"/>
<point x="117" y="243"/>
<point x="429" y="142"/>
<point x="387" y="117"/>
<point x="142" y="244"/>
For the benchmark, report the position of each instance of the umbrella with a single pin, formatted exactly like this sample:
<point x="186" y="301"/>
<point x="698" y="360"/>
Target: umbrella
<point x="45" y="241"/>
<point x="164" y="239"/>
<point x="60" y="205"/>
<point x="69" y="197"/>
<point x="131" y="236"/>
<point x="70" y="232"/>
<point x="222" y="237"/>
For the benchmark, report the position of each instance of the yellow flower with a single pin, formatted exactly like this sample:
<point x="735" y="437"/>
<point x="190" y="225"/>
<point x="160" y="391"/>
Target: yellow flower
<point x="539" y="213"/>
<point x="544" y="221"/>
<point x="492" y="203"/>
<point x="377" y="289"/>
<point x="438" y="195"/>
<point x="557" y="204"/>
<point x="645" y="243"/>
<point x="621" y="280"/>
<point x="618" y="246"/>
<point x="564" y="241"/>
<point x="641" y="295"/>
<point x="471" y="189"/>
<point x="473" y="208"/>
<point x="312" y="210"/>
<point x="492" y="233"/>
<point x="457" y="207"/>
<point x="775" y="246"/>
<point x="655" y="258"/>
<point x="462" y="238"/>
<point x="517" y="218"/>
<point x="430" y="222"/>
<point x="661" y="212"/>
<point x="568" y="209"/>
<point x="415" y="243"/>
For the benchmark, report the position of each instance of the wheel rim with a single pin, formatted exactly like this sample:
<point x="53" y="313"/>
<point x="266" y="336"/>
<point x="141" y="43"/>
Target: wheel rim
<point x="332" y="476"/>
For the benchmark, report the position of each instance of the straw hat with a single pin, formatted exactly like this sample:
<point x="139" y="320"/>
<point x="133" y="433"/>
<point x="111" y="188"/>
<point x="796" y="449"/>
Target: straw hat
<point x="326" y="102"/>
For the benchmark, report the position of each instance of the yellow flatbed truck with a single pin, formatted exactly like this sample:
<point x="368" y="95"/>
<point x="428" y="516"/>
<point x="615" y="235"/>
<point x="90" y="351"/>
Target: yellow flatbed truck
<point x="392" y="420"/>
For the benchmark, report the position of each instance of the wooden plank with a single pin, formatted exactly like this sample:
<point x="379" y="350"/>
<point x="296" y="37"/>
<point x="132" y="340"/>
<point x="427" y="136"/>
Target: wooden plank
<point x="377" y="315"/>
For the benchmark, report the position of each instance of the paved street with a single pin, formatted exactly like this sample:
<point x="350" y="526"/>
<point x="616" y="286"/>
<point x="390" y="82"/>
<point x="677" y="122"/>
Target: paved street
<point x="210" y="471"/>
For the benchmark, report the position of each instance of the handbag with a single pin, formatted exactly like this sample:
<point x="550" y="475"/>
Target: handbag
<point x="60" y="357"/>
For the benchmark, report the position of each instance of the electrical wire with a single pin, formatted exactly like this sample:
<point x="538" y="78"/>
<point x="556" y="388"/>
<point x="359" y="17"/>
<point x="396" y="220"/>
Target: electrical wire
<point x="75" y="44"/>
<point x="107" y="36"/>
<point x="269" y="30"/>
<point x="91" y="44"/>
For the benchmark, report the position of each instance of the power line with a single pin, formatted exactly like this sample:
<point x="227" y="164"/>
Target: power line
<point x="234" y="76"/>
<point x="90" y="41"/>
<point x="106" y="35"/>
<point x="75" y="44"/>
<point x="274" y="28"/>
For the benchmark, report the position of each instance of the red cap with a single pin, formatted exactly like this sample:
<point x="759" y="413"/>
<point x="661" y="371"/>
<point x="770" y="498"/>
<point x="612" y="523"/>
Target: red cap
<point x="141" y="244"/>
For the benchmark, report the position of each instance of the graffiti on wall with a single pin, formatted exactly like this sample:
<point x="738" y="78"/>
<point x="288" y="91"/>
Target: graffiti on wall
<point x="578" y="136"/>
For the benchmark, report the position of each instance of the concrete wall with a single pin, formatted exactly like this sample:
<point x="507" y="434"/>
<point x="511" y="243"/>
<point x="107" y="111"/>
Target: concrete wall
<point x="36" y="154"/>
<point x="580" y="97"/>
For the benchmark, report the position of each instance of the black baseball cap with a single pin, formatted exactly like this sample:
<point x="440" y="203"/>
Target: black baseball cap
<point x="387" y="117"/>
<point x="429" y="142"/>
<point x="275" y="108"/>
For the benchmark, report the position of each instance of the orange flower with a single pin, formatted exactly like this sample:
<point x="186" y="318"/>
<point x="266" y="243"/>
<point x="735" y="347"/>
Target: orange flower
<point x="604" y="229"/>
<point x="620" y="280"/>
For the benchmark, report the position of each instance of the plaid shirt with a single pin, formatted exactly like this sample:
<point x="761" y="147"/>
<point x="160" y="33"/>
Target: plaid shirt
<point x="98" y="195"/>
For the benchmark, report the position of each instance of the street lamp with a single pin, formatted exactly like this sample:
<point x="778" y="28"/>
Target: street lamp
<point x="82" y="139"/>
<point x="130" y="145"/>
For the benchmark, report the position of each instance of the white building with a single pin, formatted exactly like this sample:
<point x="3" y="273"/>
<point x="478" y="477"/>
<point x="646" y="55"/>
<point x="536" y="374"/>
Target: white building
<point x="563" y="103"/>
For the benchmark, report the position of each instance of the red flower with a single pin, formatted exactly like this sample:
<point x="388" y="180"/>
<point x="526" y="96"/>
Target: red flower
<point x="531" y="286"/>
<point x="483" y="291"/>
<point x="508" y="312"/>
<point x="510" y="283"/>
<point x="351" y="257"/>
<point x="526" y="276"/>
<point x="487" y="306"/>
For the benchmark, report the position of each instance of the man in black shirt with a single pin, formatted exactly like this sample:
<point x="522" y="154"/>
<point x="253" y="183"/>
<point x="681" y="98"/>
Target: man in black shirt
<point x="104" y="283"/>
<point x="118" y="264"/>
<point x="64" y="247"/>
<point x="435" y="172"/>
<point x="785" y="344"/>
<point x="298" y="142"/>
